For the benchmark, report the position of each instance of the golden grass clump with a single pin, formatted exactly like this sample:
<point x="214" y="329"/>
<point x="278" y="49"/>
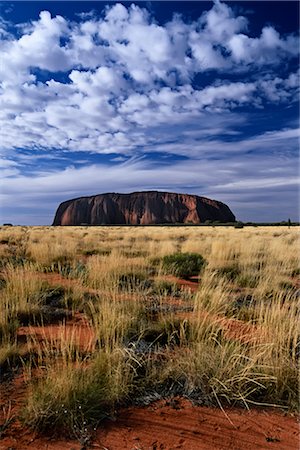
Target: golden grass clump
<point x="20" y="297"/>
<point x="75" y="397"/>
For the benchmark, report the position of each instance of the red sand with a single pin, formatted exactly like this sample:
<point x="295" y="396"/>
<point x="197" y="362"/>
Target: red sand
<point x="185" y="426"/>
<point x="77" y="331"/>
<point x="177" y="425"/>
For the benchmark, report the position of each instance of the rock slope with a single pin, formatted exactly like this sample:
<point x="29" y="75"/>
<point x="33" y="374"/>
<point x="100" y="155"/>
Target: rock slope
<point x="141" y="208"/>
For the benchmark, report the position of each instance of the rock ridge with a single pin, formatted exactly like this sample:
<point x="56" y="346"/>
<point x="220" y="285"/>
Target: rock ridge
<point x="141" y="208"/>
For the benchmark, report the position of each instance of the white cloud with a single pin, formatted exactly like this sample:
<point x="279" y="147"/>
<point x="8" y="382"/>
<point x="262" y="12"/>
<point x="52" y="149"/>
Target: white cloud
<point x="220" y="23"/>
<point x="86" y="115"/>
<point x="263" y="50"/>
<point x="115" y="63"/>
<point x="29" y="50"/>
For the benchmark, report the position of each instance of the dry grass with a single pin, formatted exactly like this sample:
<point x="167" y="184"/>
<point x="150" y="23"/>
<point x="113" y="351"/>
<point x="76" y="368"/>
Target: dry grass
<point x="145" y="342"/>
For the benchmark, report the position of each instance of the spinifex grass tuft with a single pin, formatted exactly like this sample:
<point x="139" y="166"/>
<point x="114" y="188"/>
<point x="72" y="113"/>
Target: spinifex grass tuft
<point x="70" y="397"/>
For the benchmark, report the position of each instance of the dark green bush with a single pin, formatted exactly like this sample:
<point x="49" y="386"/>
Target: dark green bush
<point x="134" y="253"/>
<point x="44" y="315"/>
<point x="183" y="265"/>
<point x="229" y="272"/>
<point x="52" y="296"/>
<point x="96" y="251"/>
<point x="239" y="225"/>
<point x="247" y="281"/>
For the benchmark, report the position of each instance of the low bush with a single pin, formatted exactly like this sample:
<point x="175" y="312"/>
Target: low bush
<point x="229" y="272"/>
<point x="96" y="251"/>
<point x="183" y="265"/>
<point x="247" y="280"/>
<point x="239" y="225"/>
<point x="134" y="253"/>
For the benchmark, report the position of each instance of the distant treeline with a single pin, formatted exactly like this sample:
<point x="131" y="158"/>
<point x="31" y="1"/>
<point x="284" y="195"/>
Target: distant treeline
<point x="207" y="223"/>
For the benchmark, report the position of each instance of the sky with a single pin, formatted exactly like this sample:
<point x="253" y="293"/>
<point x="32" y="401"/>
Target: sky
<point x="191" y="97"/>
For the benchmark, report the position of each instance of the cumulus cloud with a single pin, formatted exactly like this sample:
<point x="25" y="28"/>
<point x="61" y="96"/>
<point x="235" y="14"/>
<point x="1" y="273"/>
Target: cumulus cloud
<point x="263" y="50"/>
<point x="123" y="70"/>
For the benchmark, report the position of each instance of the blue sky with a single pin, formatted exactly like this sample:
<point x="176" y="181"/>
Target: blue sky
<point x="195" y="97"/>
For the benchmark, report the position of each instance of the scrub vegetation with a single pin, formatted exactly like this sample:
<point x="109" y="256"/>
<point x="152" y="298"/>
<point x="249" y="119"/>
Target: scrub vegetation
<point x="95" y="318"/>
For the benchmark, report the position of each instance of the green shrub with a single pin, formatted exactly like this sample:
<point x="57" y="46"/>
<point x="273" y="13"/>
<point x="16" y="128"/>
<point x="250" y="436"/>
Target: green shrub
<point x="239" y="225"/>
<point x="183" y="265"/>
<point x="229" y="272"/>
<point x="247" y="281"/>
<point x="96" y="251"/>
<point x="134" y="253"/>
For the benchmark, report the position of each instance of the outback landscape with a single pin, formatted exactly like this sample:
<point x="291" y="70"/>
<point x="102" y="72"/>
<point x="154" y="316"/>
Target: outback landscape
<point x="149" y="337"/>
<point x="149" y="237"/>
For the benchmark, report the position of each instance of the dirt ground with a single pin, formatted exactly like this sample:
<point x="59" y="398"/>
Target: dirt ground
<point x="176" y="424"/>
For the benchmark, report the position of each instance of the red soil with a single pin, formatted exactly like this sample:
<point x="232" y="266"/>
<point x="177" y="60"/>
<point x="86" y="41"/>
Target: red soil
<point x="245" y="332"/>
<point x="77" y="331"/>
<point x="182" y="425"/>
<point x="192" y="284"/>
<point x="177" y="425"/>
<point x="55" y="279"/>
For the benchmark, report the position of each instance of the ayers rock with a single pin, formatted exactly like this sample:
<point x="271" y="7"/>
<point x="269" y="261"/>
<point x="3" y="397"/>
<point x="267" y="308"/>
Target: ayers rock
<point x="144" y="208"/>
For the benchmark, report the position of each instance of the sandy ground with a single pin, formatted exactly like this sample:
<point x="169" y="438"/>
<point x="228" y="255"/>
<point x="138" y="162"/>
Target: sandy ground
<point x="179" y="424"/>
<point x="176" y="424"/>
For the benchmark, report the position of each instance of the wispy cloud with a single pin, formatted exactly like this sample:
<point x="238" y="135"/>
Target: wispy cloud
<point x="238" y="180"/>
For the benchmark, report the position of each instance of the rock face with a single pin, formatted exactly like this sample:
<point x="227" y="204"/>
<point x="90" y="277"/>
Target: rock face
<point x="142" y="208"/>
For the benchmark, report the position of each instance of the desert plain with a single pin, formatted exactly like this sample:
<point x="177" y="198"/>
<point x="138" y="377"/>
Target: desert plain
<point x="158" y="337"/>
